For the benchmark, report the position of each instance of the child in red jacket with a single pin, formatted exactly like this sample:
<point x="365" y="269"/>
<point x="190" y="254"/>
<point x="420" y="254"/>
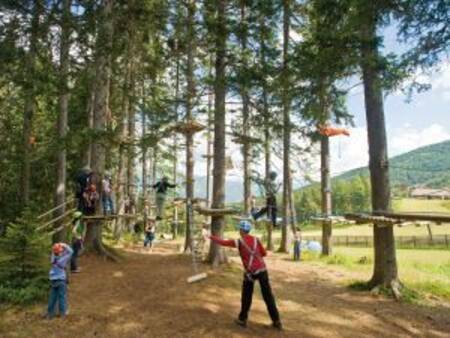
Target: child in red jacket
<point x="252" y="253"/>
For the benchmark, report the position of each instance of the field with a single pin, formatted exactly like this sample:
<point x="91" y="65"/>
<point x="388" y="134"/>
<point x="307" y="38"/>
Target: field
<point x="420" y="205"/>
<point x="426" y="271"/>
<point x="405" y="205"/>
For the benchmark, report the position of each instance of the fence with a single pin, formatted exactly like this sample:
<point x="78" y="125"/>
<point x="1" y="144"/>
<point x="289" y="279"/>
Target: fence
<point x="401" y="241"/>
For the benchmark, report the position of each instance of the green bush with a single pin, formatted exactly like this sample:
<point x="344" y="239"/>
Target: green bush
<point x="24" y="254"/>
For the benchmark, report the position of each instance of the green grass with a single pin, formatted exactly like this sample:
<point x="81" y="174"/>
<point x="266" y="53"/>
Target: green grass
<point x="427" y="272"/>
<point x="420" y="205"/>
<point x="405" y="205"/>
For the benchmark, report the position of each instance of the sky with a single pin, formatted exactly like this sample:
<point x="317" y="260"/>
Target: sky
<point x="410" y="124"/>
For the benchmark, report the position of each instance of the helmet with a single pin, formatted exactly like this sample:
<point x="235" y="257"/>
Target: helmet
<point x="165" y="178"/>
<point x="77" y="214"/>
<point x="245" y="225"/>
<point x="57" y="248"/>
<point x="273" y="175"/>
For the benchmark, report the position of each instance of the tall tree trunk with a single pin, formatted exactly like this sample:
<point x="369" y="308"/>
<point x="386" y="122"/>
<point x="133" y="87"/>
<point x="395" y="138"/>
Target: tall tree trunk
<point x="293" y="213"/>
<point x="325" y="184"/>
<point x="122" y="173"/>
<point x="245" y="110"/>
<point x="209" y="139"/>
<point x="267" y="136"/>
<point x="144" y="170"/>
<point x="216" y="254"/>
<point x="131" y="155"/>
<point x="30" y="103"/>
<point x="60" y="195"/>
<point x="101" y="109"/>
<point x="191" y="47"/>
<point x="90" y="123"/>
<point x="175" y="141"/>
<point x="286" y="128"/>
<point x="385" y="266"/>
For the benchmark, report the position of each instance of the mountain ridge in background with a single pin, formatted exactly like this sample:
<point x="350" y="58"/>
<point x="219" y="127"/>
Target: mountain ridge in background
<point x="427" y="166"/>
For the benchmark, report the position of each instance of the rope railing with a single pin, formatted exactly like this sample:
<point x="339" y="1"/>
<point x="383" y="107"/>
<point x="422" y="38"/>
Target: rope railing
<point x="55" y="208"/>
<point x="68" y="212"/>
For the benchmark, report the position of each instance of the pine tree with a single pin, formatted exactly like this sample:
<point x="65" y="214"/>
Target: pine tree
<point x="24" y="253"/>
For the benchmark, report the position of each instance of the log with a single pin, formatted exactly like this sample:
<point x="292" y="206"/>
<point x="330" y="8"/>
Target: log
<point x="380" y="221"/>
<point x="215" y="212"/>
<point x="431" y="217"/>
<point x="106" y="217"/>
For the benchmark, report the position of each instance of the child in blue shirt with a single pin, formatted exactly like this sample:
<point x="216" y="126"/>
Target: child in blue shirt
<point x="61" y="254"/>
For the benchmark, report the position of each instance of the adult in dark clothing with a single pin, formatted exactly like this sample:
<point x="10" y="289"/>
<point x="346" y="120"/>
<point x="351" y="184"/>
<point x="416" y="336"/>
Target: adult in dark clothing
<point x="270" y="209"/>
<point x="161" y="194"/>
<point x="82" y="181"/>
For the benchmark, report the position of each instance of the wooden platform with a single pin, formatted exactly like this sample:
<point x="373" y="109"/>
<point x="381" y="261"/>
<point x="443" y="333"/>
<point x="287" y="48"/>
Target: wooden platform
<point x="244" y="139"/>
<point x="106" y="217"/>
<point x="188" y="127"/>
<point x="215" y="212"/>
<point x="400" y="219"/>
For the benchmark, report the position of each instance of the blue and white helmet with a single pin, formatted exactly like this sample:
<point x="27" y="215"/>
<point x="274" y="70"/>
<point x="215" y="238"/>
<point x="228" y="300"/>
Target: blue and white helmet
<point x="245" y="225"/>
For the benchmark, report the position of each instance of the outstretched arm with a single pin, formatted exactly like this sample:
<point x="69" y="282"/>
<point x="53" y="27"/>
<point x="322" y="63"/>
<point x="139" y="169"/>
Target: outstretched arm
<point x="171" y="185"/>
<point x="224" y="242"/>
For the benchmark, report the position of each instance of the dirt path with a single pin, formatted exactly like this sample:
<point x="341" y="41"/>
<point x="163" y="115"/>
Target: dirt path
<point x="146" y="296"/>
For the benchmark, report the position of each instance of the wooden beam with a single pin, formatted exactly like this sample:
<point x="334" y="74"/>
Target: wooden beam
<point x="431" y="217"/>
<point x="215" y="212"/>
<point x="378" y="220"/>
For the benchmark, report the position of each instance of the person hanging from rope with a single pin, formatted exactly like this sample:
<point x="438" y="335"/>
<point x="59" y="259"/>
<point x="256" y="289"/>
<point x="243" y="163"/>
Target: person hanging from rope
<point x="161" y="194"/>
<point x="252" y="252"/>
<point x="78" y="235"/>
<point x="271" y="186"/>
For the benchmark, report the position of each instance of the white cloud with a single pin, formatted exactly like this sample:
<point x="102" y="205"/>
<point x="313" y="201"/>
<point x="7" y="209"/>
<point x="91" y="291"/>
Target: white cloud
<point x="407" y="138"/>
<point x="349" y="152"/>
<point x="439" y="79"/>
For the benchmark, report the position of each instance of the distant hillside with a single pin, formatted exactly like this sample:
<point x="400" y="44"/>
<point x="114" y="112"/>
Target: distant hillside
<point x="428" y="166"/>
<point x="422" y="166"/>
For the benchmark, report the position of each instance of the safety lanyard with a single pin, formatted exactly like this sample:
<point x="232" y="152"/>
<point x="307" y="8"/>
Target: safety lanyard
<point x="253" y="252"/>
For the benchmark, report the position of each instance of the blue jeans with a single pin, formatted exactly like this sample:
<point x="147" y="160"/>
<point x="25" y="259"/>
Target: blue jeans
<point x="108" y="206"/>
<point x="149" y="237"/>
<point x="76" y="247"/>
<point x="58" y="292"/>
<point x="297" y="250"/>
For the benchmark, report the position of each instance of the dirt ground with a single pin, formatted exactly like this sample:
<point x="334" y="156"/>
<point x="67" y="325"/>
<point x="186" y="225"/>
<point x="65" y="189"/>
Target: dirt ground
<point x="146" y="295"/>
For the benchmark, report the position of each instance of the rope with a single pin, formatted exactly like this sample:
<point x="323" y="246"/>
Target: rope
<point x="56" y="219"/>
<point x="55" y="208"/>
<point x="51" y="233"/>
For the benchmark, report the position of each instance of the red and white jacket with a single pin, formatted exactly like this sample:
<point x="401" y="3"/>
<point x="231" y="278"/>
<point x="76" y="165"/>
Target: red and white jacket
<point x="250" y="249"/>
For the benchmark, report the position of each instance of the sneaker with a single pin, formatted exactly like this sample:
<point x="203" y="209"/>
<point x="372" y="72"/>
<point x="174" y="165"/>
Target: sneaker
<point x="277" y="325"/>
<point x="76" y="270"/>
<point x="239" y="322"/>
<point x="47" y="316"/>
